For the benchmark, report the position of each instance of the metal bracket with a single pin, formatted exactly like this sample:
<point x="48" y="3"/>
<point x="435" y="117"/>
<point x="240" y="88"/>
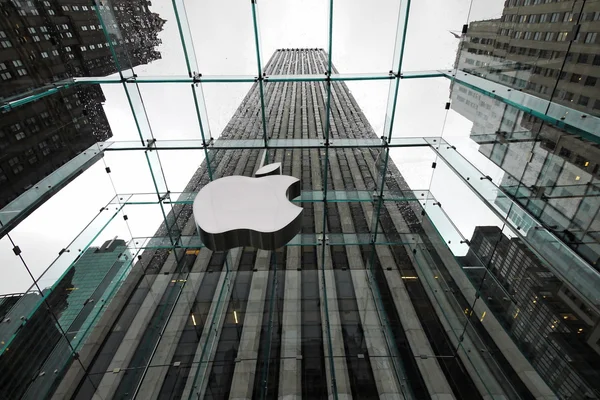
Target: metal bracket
<point x="150" y="143"/>
<point x="320" y="239"/>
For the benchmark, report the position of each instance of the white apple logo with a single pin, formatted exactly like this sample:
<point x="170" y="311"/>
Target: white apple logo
<point x="237" y="211"/>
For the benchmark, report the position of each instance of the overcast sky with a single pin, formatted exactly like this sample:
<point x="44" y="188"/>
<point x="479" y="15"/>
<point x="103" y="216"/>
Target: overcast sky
<point x="363" y="41"/>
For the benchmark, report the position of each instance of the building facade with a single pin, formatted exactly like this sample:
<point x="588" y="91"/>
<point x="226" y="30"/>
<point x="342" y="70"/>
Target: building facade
<point x="37" y="352"/>
<point x="553" y="173"/>
<point x="44" y="42"/>
<point x="548" y="322"/>
<point x="336" y="317"/>
<point x="525" y="49"/>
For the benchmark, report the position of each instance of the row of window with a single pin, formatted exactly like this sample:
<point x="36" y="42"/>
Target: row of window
<point x="565" y="96"/>
<point x="517" y="3"/>
<point x="15" y="163"/>
<point x="575" y="78"/>
<point x="586" y="37"/>
<point x="580" y="58"/>
<point x="550" y="17"/>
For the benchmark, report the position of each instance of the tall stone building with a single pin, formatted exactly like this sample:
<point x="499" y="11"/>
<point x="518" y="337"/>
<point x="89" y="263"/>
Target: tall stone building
<point x="38" y="341"/>
<point x="333" y="316"/>
<point x="550" y="50"/>
<point x="536" y="43"/>
<point x="44" y="42"/>
<point x="547" y="320"/>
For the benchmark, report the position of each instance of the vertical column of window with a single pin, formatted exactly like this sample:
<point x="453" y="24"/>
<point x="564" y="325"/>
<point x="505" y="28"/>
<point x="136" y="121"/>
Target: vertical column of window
<point x="266" y="380"/>
<point x="223" y="364"/>
<point x="314" y="382"/>
<point x="143" y="353"/>
<point x="177" y="375"/>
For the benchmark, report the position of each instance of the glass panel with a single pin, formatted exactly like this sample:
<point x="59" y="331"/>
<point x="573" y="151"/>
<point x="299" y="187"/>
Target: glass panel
<point x="241" y="51"/>
<point x="19" y="208"/>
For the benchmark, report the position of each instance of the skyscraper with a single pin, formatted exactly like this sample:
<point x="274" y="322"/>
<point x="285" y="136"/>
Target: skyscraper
<point x="45" y="42"/>
<point x="525" y="49"/>
<point x="553" y="172"/>
<point x="35" y="352"/>
<point x="366" y="322"/>
<point x="544" y="317"/>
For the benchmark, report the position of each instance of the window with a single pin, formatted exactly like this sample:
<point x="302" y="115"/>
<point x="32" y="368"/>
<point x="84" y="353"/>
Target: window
<point x="65" y="8"/>
<point x="17" y="63"/>
<point x="31" y="156"/>
<point x="583" y="101"/>
<point x="568" y="17"/>
<point x="68" y="48"/>
<point x="562" y="36"/>
<point x="99" y="45"/>
<point x="31" y="30"/>
<point x="75" y="8"/>
<point x="589" y="16"/>
<point x="93" y="27"/>
<point x="2" y="66"/>
<point x="596" y="60"/>
<point x="43" y="29"/>
<point x="2" y="34"/>
<point x="5" y="76"/>
<point x="46" y="36"/>
<point x="543" y="18"/>
<point x="5" y="44"/>
<point x="528" y="35"/>
<point x="597" y="105"/>
<point x="44" y="54"/>
<point x="44" y="147"/>
<point x="84" y="8"/>
<point x="84" y="28"/>
<point x="555" y="17"/>
<point x="92" y="47"/>
<point x="14" y="163"/>
<point x="22" y="72"/>
<point x="35" y="12"/>
<point x="549" y="36"/>
<point x="69" y="34"/>
<point x="83" y="48"/>
<point x="64" y="26"/>
<point x="590" y="81"/>
<point x="582" y="58"/>
<point x="590" y="37"/>
<point x="575" y="78"/>
<point x="36" y="38"/>
<point x="55" y="52"/>
<point x="568" y="96"/>
<point x="20" y="136"/>
<point x="47" y="3"/>
<point x="537" y="36"/>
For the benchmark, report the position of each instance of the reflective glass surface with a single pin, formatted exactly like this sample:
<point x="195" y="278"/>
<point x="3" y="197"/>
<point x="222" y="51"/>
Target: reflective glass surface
<point x="448" y="157"/>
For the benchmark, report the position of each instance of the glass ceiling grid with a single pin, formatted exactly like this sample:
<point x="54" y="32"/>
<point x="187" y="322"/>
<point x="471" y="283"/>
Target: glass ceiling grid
<point x="585" y="281"/>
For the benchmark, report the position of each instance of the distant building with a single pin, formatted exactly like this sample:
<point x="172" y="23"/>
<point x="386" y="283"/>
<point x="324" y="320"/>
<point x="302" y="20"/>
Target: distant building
<point x="548" y="322"/>
<point x="553" y="174"/>
<point x="35" y="356"/>
<point x="43" y="42"/>
<point x="525" y="49"/>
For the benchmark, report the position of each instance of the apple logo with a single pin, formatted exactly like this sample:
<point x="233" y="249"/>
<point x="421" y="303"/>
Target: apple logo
<point x="236" y="211"/>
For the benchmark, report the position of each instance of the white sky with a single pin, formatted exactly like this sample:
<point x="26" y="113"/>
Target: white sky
<point x="363" y="40"/>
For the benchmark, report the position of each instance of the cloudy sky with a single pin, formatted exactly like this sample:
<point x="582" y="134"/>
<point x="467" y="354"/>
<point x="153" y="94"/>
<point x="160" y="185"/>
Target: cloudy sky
<point x="363" y="41"/>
